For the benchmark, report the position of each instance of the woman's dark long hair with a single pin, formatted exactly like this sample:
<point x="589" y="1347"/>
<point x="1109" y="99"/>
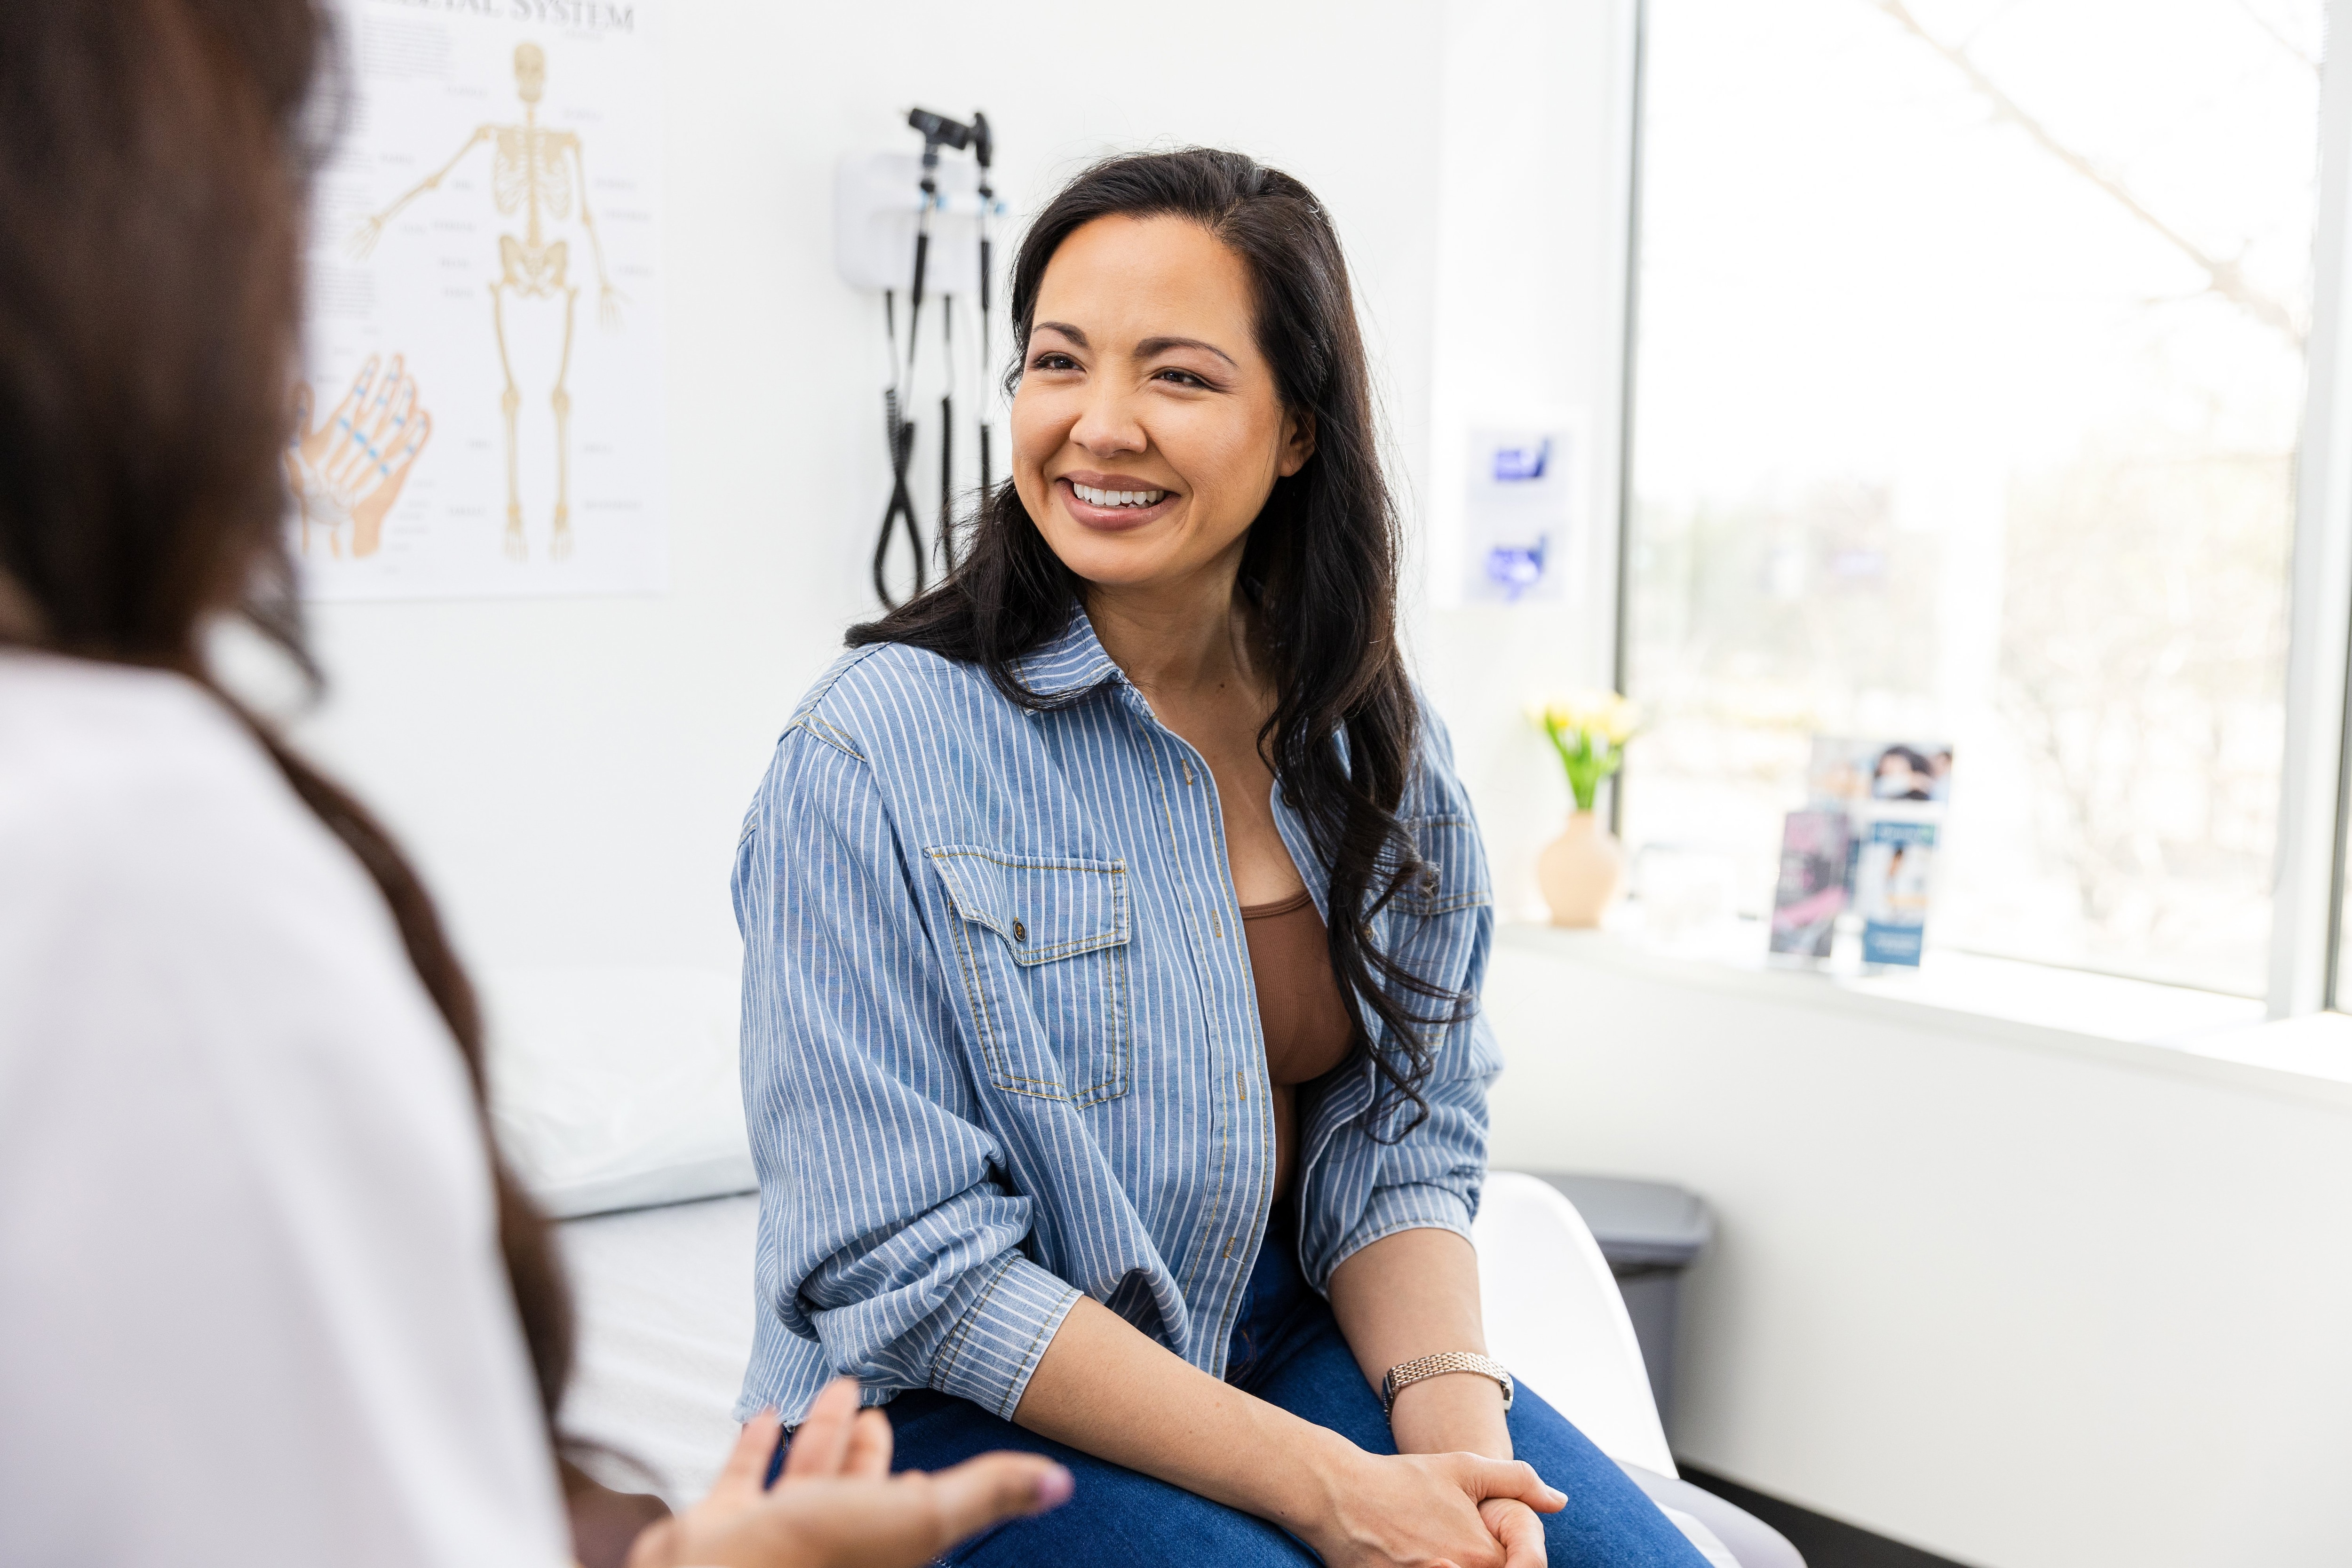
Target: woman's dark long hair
<point x="153" y="155"/>
<point x="1320" y="568"/>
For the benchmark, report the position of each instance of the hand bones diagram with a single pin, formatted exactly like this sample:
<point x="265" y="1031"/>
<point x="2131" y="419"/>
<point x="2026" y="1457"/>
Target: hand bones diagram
<point x="346" y="474"/>
<point x="539" y="174"/>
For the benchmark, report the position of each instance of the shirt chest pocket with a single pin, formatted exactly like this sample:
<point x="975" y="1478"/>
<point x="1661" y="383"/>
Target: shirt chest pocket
<point x="1454" y="866"/>
<point x="1041" y="941"/>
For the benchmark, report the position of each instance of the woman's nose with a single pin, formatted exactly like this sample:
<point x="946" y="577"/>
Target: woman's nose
<point x="1107" y="425"/>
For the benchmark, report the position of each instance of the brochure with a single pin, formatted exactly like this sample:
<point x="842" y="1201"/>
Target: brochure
<point x="1858" y="773"/>
<point x="1813" y="886"/>
<point x="1891" y="887"/>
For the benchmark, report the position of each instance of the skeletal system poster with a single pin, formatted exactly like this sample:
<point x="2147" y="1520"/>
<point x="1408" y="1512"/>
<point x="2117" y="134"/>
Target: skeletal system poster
<point x="480" y="410"/>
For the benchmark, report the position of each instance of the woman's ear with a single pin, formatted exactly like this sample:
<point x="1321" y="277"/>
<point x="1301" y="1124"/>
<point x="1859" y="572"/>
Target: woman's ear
<point x="1298" y="442"/>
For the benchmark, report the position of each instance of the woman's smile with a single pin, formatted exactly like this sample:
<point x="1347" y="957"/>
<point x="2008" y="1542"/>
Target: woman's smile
<point x="1112" y="503"/>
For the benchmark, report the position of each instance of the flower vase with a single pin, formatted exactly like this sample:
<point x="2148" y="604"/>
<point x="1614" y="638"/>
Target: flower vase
<point x="1582" y="872"/>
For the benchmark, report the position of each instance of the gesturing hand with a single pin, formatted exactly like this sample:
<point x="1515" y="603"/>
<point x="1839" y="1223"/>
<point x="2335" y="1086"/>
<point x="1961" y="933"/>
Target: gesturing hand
<point x="1437" y="1511"/>
<point x="837" y="1505"/>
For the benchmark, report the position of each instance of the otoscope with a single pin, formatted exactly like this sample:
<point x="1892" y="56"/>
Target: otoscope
<point x="938" y="131"/>
<point x="984" y="148"/>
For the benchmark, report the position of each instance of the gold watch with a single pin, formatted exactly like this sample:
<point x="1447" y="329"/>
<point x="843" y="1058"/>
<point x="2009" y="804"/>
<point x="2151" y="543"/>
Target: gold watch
<point x="1411" y="1371"/>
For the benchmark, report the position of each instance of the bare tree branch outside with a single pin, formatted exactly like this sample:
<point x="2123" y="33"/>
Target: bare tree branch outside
<point x="1970" y="363"/>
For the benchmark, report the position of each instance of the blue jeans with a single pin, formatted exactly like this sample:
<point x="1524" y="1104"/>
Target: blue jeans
<point x="1286" y="1350"/>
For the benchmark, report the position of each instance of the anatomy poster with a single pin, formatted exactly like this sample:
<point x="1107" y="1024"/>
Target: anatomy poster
<point x="480" y="409"/>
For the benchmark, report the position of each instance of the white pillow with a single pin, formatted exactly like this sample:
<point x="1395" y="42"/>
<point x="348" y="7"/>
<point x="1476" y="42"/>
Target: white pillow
<point x="616" y="1088"/>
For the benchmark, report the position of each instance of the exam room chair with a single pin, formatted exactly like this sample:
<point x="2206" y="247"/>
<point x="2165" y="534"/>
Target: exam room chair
<point x="1555" y="1318"/>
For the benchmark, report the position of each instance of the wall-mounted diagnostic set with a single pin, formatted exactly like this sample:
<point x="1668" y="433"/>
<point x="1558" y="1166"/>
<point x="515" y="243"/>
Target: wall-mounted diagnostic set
<point x="919" y="227"/>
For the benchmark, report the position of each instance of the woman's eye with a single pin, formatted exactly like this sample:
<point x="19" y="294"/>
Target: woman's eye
<point x="1052" y="361"/>
<point x="1180" y="378"/>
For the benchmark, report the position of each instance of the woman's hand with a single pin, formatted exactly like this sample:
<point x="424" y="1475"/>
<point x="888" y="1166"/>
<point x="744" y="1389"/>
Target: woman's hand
<point x="1420" y="1510"/>
<point x="1404" y="1296"/>
<point x="837" y="1505"/>
<point x="1516" y="1530"/>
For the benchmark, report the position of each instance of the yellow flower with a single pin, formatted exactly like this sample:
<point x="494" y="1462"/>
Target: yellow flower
<point x="1602" y="715"/>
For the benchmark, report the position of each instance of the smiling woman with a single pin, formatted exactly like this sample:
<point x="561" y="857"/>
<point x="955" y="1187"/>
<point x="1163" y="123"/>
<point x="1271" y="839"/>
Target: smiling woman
<point x="1185" y="322"/>
<point x="1113" y="923"/>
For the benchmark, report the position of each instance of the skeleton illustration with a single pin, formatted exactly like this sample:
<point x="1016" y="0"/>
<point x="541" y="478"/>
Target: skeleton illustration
<point x="540" y="173"/>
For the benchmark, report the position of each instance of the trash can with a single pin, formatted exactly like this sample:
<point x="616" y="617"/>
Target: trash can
<point x="1649" y="1232"/>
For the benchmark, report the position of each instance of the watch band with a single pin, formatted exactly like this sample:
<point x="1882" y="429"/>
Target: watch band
<point x="1406" y="1372"/>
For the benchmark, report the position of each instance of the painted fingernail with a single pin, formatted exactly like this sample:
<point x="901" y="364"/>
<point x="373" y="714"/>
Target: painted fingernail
<point x="1055" y="1487"/>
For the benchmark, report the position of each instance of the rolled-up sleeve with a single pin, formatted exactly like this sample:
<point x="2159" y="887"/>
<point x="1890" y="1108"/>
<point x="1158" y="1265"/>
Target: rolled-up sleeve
<point x="887" y="1239"/>
<point x="1428" y="1178"/>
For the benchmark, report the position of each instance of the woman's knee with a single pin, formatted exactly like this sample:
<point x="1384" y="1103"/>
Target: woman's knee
<point x="1607" y="1519"/>
<point x="1114" y="1514"/>
<point x="1118" y="1515"/>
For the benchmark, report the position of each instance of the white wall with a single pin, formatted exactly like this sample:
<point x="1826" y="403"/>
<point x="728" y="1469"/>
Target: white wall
<point x="571" y="772"/>
<point x="1531" y="255"/>
<point x="2025" y="1305"/>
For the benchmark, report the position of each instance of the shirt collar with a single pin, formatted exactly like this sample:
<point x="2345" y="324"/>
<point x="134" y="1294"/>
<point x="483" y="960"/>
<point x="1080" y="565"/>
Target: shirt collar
<point x="1071" y="661"/>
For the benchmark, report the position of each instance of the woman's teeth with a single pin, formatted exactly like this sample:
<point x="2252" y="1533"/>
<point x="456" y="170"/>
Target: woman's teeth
<point x="1093" y="497"/>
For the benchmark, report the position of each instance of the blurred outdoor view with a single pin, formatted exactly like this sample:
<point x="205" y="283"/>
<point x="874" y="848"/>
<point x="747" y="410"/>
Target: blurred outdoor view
<point x="1967" y="385"/>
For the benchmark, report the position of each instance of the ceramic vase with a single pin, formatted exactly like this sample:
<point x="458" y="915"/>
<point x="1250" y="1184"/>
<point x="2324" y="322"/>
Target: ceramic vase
<point x="1582" y="872"/>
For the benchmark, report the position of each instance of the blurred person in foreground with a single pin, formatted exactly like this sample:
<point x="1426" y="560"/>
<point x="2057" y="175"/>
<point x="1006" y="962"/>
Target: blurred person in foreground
<point x="267" y="1295"/>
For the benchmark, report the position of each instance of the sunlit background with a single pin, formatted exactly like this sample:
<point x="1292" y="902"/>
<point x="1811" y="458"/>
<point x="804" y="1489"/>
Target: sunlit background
<point x="1968" y="367"/>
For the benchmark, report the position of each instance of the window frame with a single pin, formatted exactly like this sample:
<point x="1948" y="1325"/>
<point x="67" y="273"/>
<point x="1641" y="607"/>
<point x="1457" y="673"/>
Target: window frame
<point x="2315" y="802"/>
<point x="2315" y="823"/>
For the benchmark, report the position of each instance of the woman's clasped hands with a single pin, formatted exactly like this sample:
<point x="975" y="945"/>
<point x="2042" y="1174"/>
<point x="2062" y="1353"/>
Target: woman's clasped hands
<point x="1432" y="1510"/>
<point x="837" y="1505"/>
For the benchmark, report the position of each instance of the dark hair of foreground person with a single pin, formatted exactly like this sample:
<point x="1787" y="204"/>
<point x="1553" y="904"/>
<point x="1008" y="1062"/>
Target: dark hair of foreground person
<point x="154" y="156"/>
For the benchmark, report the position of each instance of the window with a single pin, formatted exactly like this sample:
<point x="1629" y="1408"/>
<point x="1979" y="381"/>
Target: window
<point x="1966" y="380"/>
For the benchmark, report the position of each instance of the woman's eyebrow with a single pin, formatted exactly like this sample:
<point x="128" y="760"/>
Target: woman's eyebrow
<point x="1150" y="346"/>
<point x="1064" y="328"/>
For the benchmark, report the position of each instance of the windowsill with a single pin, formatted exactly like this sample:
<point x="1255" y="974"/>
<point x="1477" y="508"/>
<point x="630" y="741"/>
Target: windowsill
<point x="2137" y="1023"/>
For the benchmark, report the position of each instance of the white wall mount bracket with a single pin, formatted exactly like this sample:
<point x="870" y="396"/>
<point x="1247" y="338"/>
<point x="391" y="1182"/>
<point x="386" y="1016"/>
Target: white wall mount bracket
<point x="877" y="196"/>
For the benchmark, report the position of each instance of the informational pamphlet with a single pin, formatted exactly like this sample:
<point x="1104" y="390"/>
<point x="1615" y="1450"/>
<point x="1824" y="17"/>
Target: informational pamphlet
<point x="1890" y="889"/>
<point x="1858" y="773"/>
<point x="1811" y="893"/>
<point x="1891" y="797"/>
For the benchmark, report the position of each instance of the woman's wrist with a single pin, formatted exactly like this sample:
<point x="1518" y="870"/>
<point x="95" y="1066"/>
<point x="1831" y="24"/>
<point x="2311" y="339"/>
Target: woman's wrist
<point x="1458" y="1412"/>
<point x="1303" y="1495"/>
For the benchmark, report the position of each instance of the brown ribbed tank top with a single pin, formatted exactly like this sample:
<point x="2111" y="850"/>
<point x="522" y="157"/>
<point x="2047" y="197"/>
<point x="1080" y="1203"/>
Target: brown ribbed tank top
<point x="1307" y="1030"/>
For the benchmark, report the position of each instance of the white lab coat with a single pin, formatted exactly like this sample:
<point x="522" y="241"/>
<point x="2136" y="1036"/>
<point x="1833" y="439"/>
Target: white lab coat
<point x="252" y="1310"/>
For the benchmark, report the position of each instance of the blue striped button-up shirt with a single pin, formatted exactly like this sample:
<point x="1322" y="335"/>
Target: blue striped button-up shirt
<point x="1001" y="1043"/>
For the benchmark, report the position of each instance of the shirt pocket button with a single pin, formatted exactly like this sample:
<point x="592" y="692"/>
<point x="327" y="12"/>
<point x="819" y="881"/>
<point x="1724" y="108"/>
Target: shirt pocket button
<point x="1020" y="932"/>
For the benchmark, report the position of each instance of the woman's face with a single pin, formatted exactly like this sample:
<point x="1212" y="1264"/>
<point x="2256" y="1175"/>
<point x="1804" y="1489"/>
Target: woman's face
<point x="1146" y="431"/>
